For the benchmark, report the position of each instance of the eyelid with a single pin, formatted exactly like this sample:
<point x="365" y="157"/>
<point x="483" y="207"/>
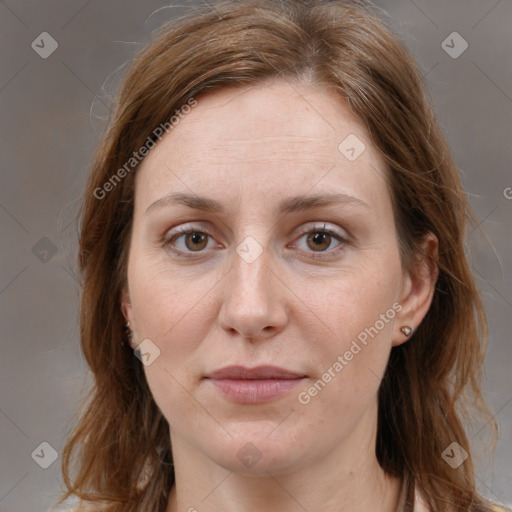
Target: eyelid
<point x="197" y="226"/>
<point x="324" y="226"/>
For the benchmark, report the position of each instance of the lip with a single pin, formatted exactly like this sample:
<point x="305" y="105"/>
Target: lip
<point x="257" y="385"/>
<point x="257" y="373"/>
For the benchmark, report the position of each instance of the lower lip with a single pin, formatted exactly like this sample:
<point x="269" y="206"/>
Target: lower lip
<point x="255" y="391"/>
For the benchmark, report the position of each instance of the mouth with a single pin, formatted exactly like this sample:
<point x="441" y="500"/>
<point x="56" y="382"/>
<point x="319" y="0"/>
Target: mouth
<point x="244" y="385"/>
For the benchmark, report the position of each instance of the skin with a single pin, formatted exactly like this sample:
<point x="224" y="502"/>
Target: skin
<point x="250" y="148"/>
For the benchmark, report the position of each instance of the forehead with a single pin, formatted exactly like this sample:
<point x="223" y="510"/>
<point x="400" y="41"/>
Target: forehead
<point x="277" y="114"/>
<point x="275" y="134"/>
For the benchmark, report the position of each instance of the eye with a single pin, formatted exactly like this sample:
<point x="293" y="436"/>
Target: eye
<point x="191" y="240"/>
<point x="319" y="239"/>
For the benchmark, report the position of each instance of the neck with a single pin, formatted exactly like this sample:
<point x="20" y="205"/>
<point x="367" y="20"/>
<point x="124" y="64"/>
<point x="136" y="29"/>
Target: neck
<point x="348" y="478"/>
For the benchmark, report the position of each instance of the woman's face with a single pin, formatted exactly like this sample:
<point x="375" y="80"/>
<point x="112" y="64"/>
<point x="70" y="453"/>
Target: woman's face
<point x="292" y="263"/>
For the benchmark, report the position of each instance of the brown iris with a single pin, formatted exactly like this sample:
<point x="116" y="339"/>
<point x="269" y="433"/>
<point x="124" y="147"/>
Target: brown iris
<point x="321" y="240"/>
<point x="198" y="241"/>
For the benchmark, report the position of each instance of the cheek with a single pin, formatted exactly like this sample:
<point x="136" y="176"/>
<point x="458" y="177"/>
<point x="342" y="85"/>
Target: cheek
<point x="167" y="301"/>
<point x="175" y="312"/>
<point x="358" y="318"/>
<point x="356" y="300"/>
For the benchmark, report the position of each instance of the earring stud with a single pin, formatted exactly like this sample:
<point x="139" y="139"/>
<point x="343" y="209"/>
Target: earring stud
<point x="406" y="330"/>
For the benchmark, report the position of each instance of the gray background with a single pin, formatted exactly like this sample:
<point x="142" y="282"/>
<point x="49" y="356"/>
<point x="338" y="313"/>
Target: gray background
<point x="52" y="114"/>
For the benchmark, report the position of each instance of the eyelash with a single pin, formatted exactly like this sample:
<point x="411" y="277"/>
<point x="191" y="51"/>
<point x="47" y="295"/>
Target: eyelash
<point x="167" y="242"/>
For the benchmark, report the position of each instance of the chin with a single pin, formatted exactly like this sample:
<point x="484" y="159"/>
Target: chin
<point x="253" y="452"/>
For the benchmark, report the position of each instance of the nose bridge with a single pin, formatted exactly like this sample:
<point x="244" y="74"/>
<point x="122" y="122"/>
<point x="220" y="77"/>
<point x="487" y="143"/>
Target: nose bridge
<point x="251" y="256"/>
<point x="251" y="274"/>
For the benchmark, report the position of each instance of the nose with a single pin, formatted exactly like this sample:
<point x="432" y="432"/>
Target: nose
<point x="255" y="305"/>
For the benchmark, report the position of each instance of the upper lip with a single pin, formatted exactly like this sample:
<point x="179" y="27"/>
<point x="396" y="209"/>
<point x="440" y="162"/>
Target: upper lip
<point x="259" y="372"/>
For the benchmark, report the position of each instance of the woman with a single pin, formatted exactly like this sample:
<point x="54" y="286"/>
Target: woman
<point x="275" y="226"/>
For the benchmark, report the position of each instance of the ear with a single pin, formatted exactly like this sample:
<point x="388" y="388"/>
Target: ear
<point x="418" y="288"/>
<point x="126" y="306"/>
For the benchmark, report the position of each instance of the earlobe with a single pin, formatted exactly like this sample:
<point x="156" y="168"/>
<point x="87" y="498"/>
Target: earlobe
<point x="126" y="307"/>
<point x="127" y="310"/>
<point x="418" y="290"/>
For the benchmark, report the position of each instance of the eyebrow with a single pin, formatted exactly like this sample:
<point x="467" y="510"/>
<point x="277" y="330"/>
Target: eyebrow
<point x="290" y="205"/>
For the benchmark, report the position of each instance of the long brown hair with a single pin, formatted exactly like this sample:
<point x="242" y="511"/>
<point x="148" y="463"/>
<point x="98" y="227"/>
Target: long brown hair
<point x="119" y="453"/>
